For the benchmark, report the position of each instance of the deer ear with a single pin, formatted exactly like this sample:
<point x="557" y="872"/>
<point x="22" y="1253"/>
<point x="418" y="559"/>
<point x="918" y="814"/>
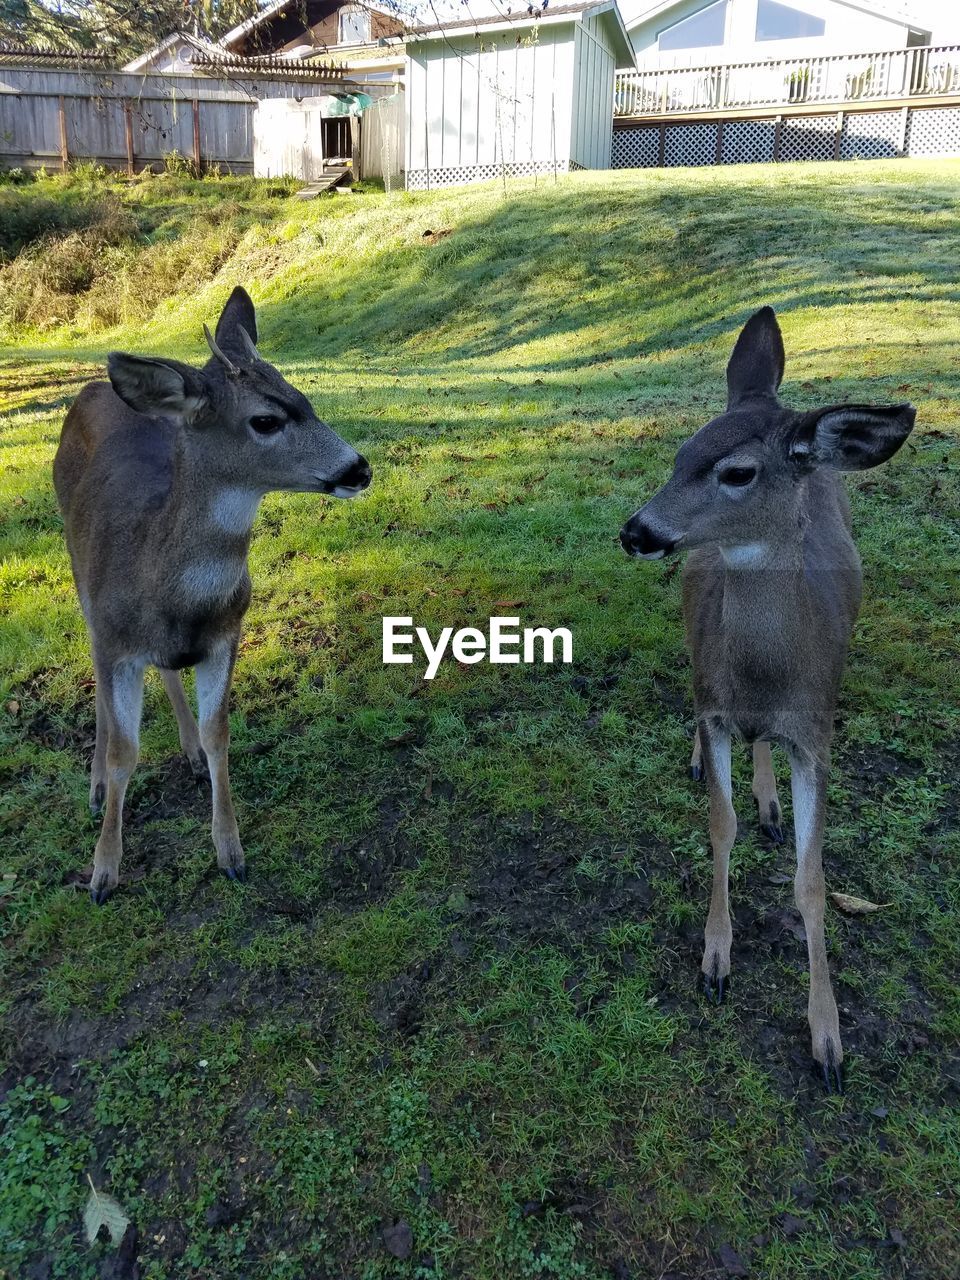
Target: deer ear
<point x="238" y="314"/>
<point x="851" y="437"/>
<point x="156" y="386"/>
<point x="756" y="366"/>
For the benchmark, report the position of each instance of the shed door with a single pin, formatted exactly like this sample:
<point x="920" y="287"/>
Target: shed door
<point x="288" y="139"/>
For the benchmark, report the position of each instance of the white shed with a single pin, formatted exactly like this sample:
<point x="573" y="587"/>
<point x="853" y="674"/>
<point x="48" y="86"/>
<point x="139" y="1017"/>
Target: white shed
<point x="513" y="95"/>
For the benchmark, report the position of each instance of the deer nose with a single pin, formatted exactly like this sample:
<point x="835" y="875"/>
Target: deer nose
<point x="638" y="539"/>
<point x="354" y="478"/>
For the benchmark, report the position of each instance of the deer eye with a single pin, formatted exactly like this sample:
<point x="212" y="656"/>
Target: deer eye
<point x="267" y="424"/>
<point x="737" y="477"/>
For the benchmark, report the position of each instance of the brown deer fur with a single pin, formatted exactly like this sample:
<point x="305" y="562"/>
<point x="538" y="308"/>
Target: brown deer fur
<point x="771" y="590"/>
<point x="159" y="474"/>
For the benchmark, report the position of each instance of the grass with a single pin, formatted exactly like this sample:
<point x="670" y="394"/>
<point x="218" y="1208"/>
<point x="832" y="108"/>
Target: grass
<point x="459" y="992"/>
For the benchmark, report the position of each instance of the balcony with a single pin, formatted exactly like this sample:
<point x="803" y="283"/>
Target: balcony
<point x="899" y="75"/>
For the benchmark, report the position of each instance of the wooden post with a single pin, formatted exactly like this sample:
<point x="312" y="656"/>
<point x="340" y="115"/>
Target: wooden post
<point x="838" y="136"/>
<point x="904" y="125"/>
<point x="662" y="148"/>
<point x="777" y="132"/>
<point x="719" y="156"/>
<point x="128" y="127"/>
<point x="196" y="135"/>
<point x="356" y="125"/>
<point x="64" y="151"/>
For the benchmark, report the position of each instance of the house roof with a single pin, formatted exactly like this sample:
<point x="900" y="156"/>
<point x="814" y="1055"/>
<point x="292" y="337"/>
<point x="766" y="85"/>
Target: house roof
<point x="271" y="11"/>
<point x="144" y="59"/>
<point x="908" y="12"/>
<point x="210" y="59"/>
<point x="538" y="17"/>
<point x="522" y="18"/>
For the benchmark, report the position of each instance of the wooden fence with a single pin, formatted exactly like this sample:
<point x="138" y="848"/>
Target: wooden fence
<point x="49" y="118"/>
<point x="923" y="72"/>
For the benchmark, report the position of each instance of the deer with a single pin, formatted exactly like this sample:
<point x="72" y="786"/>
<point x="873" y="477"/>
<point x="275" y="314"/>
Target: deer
<point x="159" y="474"/>
<point x="771" y="589"/>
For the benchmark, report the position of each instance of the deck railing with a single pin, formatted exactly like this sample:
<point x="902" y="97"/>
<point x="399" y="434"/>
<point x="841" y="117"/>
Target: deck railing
<point x="924" y="71"/>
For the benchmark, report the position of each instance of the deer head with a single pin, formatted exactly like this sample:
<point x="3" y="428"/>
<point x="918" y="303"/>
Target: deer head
<point x="739" y="481"/>
<point x="247" y="426"/>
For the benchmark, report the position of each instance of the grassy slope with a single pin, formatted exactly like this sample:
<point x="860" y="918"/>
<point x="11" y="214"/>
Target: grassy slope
<point x="460" y="988"/>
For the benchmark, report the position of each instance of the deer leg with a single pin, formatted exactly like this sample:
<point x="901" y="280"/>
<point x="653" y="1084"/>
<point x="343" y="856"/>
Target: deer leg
<point x="718" y="934"/>
<point x="696" y="759"/>
<point x="809" y="788"/>
<point x="98" y="769"/>
<point x="213" y="696"/>
<point x="121" y="699"/>
<point x="765" y="793"/>
<point x="186" y="724"/>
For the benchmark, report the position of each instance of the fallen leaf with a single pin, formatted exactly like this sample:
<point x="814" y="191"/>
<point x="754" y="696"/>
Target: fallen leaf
<point x="852" y="906"/>
<point x="103" y="1211"/>
<point x="508" y="604"/>
<point x="13" y="707"/>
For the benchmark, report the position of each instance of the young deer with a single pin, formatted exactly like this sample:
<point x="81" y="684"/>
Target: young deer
<point x="159" y="475"/>
<point x="771" y="589"/>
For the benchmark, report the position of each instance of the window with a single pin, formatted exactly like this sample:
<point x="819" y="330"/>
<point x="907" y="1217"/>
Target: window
<point x="354" y="26"/>
<point x="783" y="22"/>
<point x="698" y="31"/>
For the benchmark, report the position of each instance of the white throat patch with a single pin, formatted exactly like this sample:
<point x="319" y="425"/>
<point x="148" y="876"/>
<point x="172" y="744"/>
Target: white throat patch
<point x="234" y="510"/>
<point x="749" y="556"/>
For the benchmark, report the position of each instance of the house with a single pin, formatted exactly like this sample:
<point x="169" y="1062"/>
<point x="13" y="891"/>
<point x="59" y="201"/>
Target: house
<point x="177" y="54"/>
<point x="513" y="94"/>
<point x="300" y="28"/>
<point x="677" y="33"/>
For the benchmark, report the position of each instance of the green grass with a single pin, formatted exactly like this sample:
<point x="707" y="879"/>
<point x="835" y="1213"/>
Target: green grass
<point x="460" y="988"/>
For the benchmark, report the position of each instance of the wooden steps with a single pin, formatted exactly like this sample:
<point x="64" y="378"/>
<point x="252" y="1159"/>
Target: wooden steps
<point x="332" y="177"/>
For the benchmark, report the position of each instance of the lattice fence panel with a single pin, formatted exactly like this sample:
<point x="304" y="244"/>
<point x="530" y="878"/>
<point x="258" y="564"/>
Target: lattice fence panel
<point x="866" y="135"/>
<point x="808" y="138"/>
<point x="691" y="144"/>
<point x="934" y="131"/>
<point x="748" y="141"/>
<point x="870" y="135"/>
<point x="635" y="148"/>
<point x="423" y="179"/>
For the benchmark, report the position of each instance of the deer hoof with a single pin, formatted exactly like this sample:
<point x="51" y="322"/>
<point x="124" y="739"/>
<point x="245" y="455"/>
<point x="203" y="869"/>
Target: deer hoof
<point x="716" y="987"/>
<point x="773" y="831"/>
<point x="235" y="873"/>
<point x="99" y="896"/>
<point x="697" y="773"/>
<point x="831" y="1072"/>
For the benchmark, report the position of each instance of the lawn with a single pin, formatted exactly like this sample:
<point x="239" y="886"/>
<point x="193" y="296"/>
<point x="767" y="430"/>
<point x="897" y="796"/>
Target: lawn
<point x="452" y="1025"/>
